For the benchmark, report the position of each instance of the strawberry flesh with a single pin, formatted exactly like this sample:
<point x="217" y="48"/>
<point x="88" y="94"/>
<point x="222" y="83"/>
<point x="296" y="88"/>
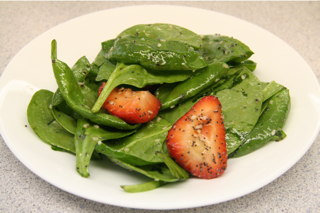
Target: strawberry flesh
<point x="133" y="107"/>
<point x="197" y="140"/>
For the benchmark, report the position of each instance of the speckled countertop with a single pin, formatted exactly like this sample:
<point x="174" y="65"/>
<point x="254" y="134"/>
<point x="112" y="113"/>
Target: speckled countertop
<point x="297" y="23"/>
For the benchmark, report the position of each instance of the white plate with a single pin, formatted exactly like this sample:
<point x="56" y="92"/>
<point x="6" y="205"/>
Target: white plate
<point x="31" y="70"/>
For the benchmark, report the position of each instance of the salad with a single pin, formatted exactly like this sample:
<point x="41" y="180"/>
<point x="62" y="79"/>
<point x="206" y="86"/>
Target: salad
<point x="163" y="101"/>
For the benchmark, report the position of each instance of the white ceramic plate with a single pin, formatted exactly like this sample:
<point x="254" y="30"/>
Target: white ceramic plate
<point x="31" y="70"/>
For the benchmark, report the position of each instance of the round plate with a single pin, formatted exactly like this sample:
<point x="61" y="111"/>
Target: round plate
<point x="31" y="70"/>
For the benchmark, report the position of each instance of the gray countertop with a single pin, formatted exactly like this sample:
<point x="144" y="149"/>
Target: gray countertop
<point x="297" y="23"/>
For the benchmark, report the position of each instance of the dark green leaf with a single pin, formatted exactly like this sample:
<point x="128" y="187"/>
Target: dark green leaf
<point x="44" y="125"/>
<point x="162" y="31"/>
<point x="156" y="54"/>
<point x="269" y="126"/>
<point x="224" y="49"/>
<point x="139" y="148"/>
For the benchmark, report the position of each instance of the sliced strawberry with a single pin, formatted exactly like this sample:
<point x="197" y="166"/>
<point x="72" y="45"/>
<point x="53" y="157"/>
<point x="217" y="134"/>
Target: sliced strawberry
<point x="101" y="87"/>
<point x="132" y="106"/>
<point x="197" y="140"/>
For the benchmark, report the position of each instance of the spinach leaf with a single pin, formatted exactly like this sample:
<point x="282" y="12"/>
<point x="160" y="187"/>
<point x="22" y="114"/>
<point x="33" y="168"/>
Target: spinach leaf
<point x="223" y="48"/>
<point x="105" y="70"/>
<point x="226" y="82"/>
<point x="143" y="187"/>
<point x="157" y="172"/>
<point x="138" y="76"/>
<point x="101" y="57"/>
<point x="75" y="99"/>
<point x="84" y="148"/>
<point x="160" y="173"/>
<point x="139" y="148"/>
<point x="80" y="70"/>
<point x="45" y="126"/>
<point x="193" y="86"/>
<point x="172" y="115"/>
<point x="162" y="31"/>
<point x="103" y="66"/>
<point x="249" y="64"/>
<point x="86" y="138"/>
<point x="174" y="170"/>
<point x="241" y="106"/>
<point x="90" y="96"/>
<point x="269" y="126"/>
<point x="66" y="121"/>
<point x="271" y="89"/>
<point x="156" y="54"/>
<point x="92" y="83"/>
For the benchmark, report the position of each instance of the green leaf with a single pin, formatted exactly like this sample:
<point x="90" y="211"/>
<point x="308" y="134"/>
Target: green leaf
<point x="241" y="107"/>
<point x="157" y="172"/>
<point x="271" y="89"/>
<point x="44" y="125"/>
<point x="80" y="70"/>
<point x="66" y="121"/>
<point x="72" y="94"/>
<point x="196" y="85"/>
<point x="105" y="70"/>
<point x="162" y="31"/>
<point x="84" y="148"/>
<point x="175" y="169"/>
<point x="143" y="187"/>
<point x="87" y="137"/>
<point x="139" y="148"/>
<point x="224" y="49"/>
<point x="138" y="76"/>
<point x="156" y="54"/>
<point x="269" y="126"/>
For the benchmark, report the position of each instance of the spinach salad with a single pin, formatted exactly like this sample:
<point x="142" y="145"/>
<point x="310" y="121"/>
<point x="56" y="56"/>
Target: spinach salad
<point x="179" y="68"/>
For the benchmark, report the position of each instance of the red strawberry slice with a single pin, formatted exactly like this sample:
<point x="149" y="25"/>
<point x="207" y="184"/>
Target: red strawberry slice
<point x="197" y="140"/>
<point x="132" y="106"/>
